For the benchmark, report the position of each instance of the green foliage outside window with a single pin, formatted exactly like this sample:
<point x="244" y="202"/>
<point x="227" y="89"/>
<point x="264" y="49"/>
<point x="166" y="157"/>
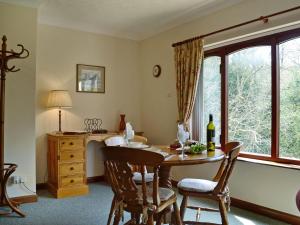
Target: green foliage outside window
<point x="249" y="97"/>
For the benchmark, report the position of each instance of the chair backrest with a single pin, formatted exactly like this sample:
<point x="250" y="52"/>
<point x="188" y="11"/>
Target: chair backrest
<point x="231" y="150"/>
<point x="120" y="175"/>
<point x="120" y="141"/>
<point x="114" y="141"/>
<point x="142" y="139"/>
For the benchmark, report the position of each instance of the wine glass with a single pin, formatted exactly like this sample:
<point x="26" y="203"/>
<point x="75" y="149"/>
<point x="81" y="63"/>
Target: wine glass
<point x="182" y="136"/>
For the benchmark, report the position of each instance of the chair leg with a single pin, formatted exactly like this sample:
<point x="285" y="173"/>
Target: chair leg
<point x="112" y="210"/>
<point x="137" y="218"/>
<point x="150" y="220"/>
<point x="223" y="212"/>
<point x="177" y="217"/>
<point x="159" y="218"/>
<point x="183" y="206"/>
<point x="117" y="217"/>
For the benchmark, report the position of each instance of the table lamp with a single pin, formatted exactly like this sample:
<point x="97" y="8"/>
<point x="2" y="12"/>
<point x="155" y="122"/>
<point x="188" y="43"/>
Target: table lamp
<point x="59" y="99"/>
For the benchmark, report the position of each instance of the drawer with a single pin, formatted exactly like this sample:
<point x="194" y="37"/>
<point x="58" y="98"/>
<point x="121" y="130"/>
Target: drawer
<point x="71" y="143"/>
<point x="71" y="169"/>
<point x="72" y="156"/>
<point x="71" y="181"/>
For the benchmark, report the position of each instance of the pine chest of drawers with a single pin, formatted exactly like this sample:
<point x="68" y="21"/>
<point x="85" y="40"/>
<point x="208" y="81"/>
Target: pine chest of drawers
<point x="66" y="165"/>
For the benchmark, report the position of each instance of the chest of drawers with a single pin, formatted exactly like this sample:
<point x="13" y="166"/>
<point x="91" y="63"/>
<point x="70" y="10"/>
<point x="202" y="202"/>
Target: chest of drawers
<point x="66" y="165"/>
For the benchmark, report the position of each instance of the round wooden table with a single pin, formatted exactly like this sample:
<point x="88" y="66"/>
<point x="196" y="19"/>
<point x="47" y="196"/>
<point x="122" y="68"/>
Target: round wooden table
<point x="173" y="159"/>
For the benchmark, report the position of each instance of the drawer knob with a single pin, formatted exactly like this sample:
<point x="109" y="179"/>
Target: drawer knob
<point x="63" y="142"/>
<point x="71" y="181"/>
<point x="72" y="156"/>
<point x="71" y="143"/>
<point x="71" y="168"/>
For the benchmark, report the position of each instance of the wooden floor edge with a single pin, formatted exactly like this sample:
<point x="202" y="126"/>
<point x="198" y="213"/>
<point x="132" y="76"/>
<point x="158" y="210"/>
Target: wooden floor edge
<point x="25" y="199"/>
<point x="271" y="213"/>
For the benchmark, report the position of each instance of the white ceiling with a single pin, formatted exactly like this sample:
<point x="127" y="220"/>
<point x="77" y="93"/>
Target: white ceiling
<point x="133" y="19"/>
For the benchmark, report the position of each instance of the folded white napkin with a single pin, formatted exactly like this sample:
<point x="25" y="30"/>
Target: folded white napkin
<point x="182" y="135"/>
<point x="129" y="132"/>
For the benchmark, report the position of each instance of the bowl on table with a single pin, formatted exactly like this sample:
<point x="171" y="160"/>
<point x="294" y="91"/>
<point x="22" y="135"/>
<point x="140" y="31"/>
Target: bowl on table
<point x="134" y="144"/>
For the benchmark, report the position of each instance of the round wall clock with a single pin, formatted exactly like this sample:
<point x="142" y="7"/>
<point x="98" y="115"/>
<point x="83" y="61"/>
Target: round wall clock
<point x="156" y="70"/>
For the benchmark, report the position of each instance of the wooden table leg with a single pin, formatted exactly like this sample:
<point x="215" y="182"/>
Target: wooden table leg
<point x="164" y="177"/>
<point x="165" y="181"/>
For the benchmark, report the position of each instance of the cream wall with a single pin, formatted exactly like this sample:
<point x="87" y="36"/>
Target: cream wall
<point x="19" y="25"/>
<point x="58" y="52"/>
<point x="264" y="185"/>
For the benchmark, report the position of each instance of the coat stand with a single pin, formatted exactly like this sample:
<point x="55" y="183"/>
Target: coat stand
<point x="6" y="169"/>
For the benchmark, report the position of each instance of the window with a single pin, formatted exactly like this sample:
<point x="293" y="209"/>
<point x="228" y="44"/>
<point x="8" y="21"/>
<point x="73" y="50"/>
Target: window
<point x="253" y="90"/>
<point x="289" y="61"/>
<point x="249" y="98"/>
<point x="211" y="98"/>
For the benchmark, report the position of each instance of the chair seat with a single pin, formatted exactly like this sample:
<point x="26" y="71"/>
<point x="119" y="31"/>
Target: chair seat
<point x="197" y="185"/>
<point x="164" y="194"/>
<point x="137" y="177"/>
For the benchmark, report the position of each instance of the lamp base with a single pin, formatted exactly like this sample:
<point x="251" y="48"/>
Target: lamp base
<point x="59" y="120"/>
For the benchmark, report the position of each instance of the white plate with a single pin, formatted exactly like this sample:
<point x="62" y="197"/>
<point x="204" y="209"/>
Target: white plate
<point x="136" y="145"/>
<point x="186" y="148"/>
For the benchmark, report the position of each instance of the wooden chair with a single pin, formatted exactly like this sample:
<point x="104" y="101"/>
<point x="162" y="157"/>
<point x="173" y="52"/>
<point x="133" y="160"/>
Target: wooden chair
<point x="215" y="189"/>
<point x="137" y="177"/>
<point x="142" y="139"/>
<point x="139" y="200"/>
<point x="119" y="140"/>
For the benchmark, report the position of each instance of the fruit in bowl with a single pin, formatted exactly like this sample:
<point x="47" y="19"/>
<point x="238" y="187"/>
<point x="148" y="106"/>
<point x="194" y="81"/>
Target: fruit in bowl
<point x="197" y="148"/>
<point x="191" y="142"/>
<point x="175" y="145"/>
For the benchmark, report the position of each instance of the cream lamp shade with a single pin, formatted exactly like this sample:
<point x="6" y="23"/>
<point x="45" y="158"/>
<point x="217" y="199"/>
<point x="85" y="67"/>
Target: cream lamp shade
<point x="59" y="99"/>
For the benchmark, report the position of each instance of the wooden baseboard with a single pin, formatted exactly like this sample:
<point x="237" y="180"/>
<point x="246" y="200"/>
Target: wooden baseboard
<point x="41" y="186"/>
<point x="89" y="180"/>
<point x="95" y="179"/>
<point x="25" y="199"/>
<point x="272" y="213"/>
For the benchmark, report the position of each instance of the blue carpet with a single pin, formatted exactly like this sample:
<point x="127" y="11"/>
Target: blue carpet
<point x="93" y="209"/>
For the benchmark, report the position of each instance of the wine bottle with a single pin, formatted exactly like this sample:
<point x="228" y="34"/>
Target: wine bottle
<point x="211" y="145"/>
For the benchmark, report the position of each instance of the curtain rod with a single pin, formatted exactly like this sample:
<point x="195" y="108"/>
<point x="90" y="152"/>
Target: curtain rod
<point x="262" y="18"/>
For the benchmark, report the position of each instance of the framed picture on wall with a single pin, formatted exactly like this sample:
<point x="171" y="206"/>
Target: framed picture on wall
<point x="90" y="79"/>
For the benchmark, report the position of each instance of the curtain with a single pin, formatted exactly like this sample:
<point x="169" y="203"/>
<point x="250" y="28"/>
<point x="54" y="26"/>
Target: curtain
<point x="197" y="116"/>
<point x="188" y="60"/>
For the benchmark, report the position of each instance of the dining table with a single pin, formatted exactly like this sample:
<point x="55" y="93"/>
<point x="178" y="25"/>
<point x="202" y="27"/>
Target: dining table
<point x="172" y="158"/>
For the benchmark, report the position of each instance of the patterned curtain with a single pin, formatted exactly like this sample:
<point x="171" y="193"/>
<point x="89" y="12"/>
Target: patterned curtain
<point x="188" y="60"/>
<point x="197" y="117"/>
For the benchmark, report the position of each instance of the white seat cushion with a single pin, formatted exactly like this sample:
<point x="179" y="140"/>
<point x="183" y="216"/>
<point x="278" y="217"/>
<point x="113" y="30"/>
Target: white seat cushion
<point x="164" y="194"/>
<point x="197" y="185"/>
<point x="137" y="177"/>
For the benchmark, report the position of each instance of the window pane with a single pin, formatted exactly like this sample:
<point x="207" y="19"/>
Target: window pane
<point x="289" y="60"/>
<point x="249" y="98"/>
<point x="212" y="95"/>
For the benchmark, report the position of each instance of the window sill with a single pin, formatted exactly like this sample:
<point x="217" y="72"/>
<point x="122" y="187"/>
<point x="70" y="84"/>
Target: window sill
<point x="269" y="163"/>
